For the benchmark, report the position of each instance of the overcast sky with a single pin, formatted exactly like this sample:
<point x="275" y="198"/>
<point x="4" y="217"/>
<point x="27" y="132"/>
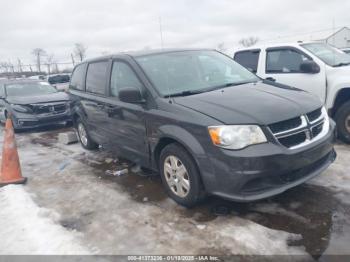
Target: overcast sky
<point x="107" y="26"/>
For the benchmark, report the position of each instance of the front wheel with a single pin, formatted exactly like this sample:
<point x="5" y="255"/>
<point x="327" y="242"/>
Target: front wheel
<point x="180" y="176"/>
<point x="84" y="137"/>
<point x="342" y="118"/>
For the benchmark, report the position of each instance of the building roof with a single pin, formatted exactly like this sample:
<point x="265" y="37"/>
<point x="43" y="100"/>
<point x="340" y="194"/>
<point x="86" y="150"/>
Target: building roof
<point x="319" y="35"/>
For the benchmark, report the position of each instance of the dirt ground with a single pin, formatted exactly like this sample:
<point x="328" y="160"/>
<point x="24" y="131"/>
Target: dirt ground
<point x="130" y="214"/>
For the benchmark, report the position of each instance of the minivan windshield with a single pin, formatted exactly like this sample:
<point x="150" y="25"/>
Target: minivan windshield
<point x="328" y="54"/>
<point x="191" y="72"/>
<point x="29" y="89"/>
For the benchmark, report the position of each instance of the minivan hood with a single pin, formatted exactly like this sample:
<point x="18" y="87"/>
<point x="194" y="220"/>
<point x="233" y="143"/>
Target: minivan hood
<point x="252" y="103"/>
<point x="25" y="100"/>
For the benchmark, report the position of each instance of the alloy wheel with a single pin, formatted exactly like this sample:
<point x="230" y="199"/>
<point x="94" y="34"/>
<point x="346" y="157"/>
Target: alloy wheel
<point x="176" y="176"/>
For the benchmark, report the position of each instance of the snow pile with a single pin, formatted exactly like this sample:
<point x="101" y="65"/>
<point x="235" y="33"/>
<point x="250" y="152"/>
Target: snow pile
<point x="28" y="229"/>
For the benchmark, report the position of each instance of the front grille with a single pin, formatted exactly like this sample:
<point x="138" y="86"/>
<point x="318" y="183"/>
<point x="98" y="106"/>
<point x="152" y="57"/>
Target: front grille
<point x="50" y="108"/>
<point x="314" y="115"/>
<point x="297" y="131"/>
<point x="293" y="140"/>
<point x="285" y="125"/>
<point x="316" y="130"/>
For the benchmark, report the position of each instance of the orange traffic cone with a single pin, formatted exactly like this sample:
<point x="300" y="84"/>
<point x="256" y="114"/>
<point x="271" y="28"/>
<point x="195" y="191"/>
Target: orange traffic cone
<point x="10" y="168"/>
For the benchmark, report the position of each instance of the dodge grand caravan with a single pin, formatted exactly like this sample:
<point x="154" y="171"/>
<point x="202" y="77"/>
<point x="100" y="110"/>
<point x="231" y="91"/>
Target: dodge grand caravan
<point x="204" y="122"/>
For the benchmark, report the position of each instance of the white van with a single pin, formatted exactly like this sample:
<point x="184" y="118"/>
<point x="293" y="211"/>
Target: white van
<point x="313" y="66"/>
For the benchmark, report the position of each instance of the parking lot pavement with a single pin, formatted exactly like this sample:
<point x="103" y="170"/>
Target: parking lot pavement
<point x="77" y="208"/>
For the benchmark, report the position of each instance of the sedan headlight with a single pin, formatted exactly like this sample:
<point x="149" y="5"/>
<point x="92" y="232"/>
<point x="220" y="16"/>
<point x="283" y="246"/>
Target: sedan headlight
<point x="236" y="136"/>
<point x="20" y="108"/>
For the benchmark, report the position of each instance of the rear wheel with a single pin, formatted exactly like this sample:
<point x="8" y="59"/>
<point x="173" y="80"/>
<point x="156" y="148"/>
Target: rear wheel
<point x="180" y="176"/>
<point x="84" y="137"/>
<point x="342" y="118"/>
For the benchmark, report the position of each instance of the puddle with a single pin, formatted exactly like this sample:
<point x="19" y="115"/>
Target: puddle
<point x="78" y="224"/>
<point x="46" y="136"/>
<point x="306" y="210"/>
<point x="142" y="186"/>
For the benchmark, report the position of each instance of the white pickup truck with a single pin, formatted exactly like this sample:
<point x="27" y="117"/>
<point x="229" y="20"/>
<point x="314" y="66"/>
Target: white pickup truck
<point x="314" y="67"/>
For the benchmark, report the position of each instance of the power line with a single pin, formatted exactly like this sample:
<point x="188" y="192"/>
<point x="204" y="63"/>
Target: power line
<point x="303" y="33"/>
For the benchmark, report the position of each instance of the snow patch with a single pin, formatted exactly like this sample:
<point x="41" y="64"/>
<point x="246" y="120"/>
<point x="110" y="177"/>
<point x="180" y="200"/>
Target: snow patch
<point x="28" y="229"/>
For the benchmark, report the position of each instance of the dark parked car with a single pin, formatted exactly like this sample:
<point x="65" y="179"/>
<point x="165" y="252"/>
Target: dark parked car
<point x="58" y="79"/>
<point x="32" y="104"/>
<point x="208" y="125"/>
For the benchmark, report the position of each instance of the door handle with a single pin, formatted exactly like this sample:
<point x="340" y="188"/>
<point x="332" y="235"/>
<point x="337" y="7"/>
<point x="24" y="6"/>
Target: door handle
<point x="112" y="110"/>
<point x="270" y="79"/>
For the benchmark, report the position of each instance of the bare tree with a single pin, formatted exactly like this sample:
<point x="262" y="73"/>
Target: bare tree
<point x="50" y="60"/>
<point x="7" y="68"/>
<point x="248" y="41"/>
<point x="4" y="67"/>
<point x="221" y="47"/>
<point x="38" y="54"/>
<point x="80" y="51"/>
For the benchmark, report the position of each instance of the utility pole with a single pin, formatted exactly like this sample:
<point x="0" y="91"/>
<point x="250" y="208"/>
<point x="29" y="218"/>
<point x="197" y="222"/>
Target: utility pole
<point x="19" y="65"/>
<point x="161" y="32"/>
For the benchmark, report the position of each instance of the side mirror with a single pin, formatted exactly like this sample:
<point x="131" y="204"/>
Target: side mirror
<point x="130" y="95"/>
<point x="309" y="67"/>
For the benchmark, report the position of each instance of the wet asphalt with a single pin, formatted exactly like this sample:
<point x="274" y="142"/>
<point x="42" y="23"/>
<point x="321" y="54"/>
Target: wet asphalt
<point x="312" y="211"/>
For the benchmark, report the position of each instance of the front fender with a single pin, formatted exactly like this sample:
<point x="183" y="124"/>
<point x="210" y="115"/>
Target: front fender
<point x="337" y="80"/>
<point x="183" y="137"/>
<point x="192" y="145"/>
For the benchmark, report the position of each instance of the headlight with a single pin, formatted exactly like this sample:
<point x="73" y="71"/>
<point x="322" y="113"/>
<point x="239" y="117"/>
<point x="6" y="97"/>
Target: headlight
<point x="20" y="108"/>
<point x="236" y="136"/>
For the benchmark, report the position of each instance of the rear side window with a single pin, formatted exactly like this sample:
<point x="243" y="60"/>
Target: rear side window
<point x="284" y="61"/>
<point x="248" y="59"/>
<point x="77" y="81"/>
<point x="96" y="77"/>
<point x="123" y="76"/>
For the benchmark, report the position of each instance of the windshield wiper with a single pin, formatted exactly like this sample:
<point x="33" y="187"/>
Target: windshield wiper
<point x="187" y="93"/>
<point x="194" y="92"/>
<point x="341" y="64"/>
<point x="231" y="84"/>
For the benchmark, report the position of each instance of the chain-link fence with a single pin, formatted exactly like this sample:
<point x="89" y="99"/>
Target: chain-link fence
<point x="8" y="69"/>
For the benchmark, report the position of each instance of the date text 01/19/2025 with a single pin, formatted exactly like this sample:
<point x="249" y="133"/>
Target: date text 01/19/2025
<point x="173" y="258"/>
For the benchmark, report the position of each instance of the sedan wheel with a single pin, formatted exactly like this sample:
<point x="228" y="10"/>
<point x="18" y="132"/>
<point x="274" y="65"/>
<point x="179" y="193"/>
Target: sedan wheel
<point x="176" y="176"/>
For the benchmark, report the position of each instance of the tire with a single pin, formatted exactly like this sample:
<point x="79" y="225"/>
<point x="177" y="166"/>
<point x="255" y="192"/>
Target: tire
<point x="84" y="136"/>
<point x="342" y="118"/>
<point x="187" y="189"/>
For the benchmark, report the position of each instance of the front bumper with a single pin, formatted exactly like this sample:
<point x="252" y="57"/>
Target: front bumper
<point x="27" y="121"/>
<point x="266" y="170"/>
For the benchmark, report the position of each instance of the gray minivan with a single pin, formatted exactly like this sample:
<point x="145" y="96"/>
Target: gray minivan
<point x="205" y="123"/>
